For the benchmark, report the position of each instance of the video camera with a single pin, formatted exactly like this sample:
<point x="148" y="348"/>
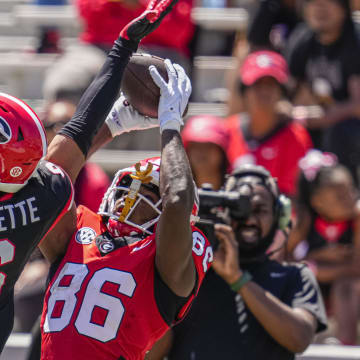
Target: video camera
<point x="220" y="206"/>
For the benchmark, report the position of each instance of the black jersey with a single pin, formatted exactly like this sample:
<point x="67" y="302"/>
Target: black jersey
<point x="25" y="218"/>
<point x="270" y="14"/>
<point x="220" y="325"/>
<point x="331" y="64"/>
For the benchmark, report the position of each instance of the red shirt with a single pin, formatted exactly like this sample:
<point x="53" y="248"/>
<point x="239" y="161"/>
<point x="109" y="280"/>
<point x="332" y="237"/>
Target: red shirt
<point x="103" y="306"/>
<point x="90" y="186"/>
<point x="104" y="19"/>
<point x="278" y="153"/>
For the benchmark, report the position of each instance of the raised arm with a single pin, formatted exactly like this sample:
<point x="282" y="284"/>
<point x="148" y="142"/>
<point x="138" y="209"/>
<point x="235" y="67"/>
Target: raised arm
<point x="71" y="146"/>
<point x="173" y="234"/>
<point x="74" y="142"/>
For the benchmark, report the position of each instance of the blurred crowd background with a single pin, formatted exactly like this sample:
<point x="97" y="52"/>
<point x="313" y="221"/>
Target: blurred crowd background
<point x="275" y="83"/>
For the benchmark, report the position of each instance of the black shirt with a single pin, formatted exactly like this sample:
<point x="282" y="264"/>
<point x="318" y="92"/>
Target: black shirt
<point x="324" y="66"/>
<point x="220" y="326"/>
<point x="269" y="14"/>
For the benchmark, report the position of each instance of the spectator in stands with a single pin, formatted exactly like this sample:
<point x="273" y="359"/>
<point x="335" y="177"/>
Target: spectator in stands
<point x="265" y="134"/>
<point x="323" y="57"/>
<point x="205" y="139"/>
<point x="103" y="20"/>
<point x="328" y="233"/>
<point x="49" y="40"/>
<point x="249" y="307"/>
<point x="272" y="24"/>
<point x="71" y="74"/>
<point x="92" y="181"/>
<point x="49" y="36"/>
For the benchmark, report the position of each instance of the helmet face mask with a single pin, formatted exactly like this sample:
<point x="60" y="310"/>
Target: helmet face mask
<point x="118" y="195"/>
<point x="115" y="199"/>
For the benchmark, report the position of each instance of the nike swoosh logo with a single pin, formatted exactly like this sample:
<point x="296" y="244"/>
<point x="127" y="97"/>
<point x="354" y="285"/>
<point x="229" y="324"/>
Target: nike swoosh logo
<point x="277" y="275"/>
<point x="141" y="246"/>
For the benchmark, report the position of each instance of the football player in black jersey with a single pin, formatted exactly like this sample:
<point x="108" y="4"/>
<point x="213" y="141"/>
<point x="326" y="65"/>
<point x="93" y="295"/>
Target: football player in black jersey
<point x="36" y="193"/>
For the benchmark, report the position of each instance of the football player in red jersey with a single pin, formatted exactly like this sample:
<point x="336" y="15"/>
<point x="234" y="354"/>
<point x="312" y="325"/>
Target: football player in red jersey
<point x="35" y="193"/>
<point x="131" y="271"/>
<point x="121" y="278"/>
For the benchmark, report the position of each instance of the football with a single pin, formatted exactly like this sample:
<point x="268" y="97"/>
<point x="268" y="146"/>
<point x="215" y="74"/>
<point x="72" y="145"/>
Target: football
<point x="138" y="86"/>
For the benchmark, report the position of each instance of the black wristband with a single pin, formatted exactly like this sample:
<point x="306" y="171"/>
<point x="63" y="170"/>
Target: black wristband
<point x="99" y="97"/>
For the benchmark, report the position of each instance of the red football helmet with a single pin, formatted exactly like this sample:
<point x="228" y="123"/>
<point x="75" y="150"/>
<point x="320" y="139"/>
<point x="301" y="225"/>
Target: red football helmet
<point x="118" y="226"/>
<point x="22" y="143"/>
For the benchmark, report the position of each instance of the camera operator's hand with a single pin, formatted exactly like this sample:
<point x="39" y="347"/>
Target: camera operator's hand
<point x="226" y="258"/>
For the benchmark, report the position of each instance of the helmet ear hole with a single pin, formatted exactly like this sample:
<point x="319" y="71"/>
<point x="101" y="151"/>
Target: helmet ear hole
<point x="125" y="181"/>
<point x="20" y="135"/>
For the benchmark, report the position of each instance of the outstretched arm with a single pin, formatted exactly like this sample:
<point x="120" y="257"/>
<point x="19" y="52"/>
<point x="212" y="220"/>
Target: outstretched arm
<point x="173" y="234"/>
<point x="70" y="148"/>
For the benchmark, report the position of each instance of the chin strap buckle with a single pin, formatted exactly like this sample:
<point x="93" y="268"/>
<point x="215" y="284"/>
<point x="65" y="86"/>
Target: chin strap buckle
<point x="141" y="177"/>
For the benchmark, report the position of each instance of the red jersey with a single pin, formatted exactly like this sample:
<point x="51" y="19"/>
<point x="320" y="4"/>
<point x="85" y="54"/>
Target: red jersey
<point x="279" y="152"/>
<point x="101" y="303"/>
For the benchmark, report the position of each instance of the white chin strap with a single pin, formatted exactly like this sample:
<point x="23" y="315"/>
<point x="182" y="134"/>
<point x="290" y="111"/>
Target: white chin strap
<point x="11" y="188"/>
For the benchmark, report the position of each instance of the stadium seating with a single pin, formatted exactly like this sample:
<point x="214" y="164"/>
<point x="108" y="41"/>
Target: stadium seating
<point x="20" y="21"/>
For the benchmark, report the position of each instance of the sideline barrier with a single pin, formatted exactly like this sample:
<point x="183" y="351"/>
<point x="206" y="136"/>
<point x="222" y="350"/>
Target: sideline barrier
<point x="16" y="347"/>
<point x="330" y="352"/>
<point x="18" y="343"/>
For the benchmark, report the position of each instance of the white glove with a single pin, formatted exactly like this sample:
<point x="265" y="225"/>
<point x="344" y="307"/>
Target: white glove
<point x="124" y="118"/>
<point x="174" y="95"/>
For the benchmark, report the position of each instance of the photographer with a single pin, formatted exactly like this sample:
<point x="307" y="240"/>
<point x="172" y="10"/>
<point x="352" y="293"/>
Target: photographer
<point x="249" y="307"/>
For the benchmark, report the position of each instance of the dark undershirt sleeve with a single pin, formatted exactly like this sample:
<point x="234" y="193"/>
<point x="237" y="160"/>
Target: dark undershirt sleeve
<point x="169" y="304"/>
<point x="98" y="99"/>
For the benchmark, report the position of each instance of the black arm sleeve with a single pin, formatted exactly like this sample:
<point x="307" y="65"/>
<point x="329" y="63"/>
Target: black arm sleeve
<point x="99" y="97"/>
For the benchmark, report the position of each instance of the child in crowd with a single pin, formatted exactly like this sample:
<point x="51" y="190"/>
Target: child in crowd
<point x="205" y="140"/>
<point x="327" y="234"/>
